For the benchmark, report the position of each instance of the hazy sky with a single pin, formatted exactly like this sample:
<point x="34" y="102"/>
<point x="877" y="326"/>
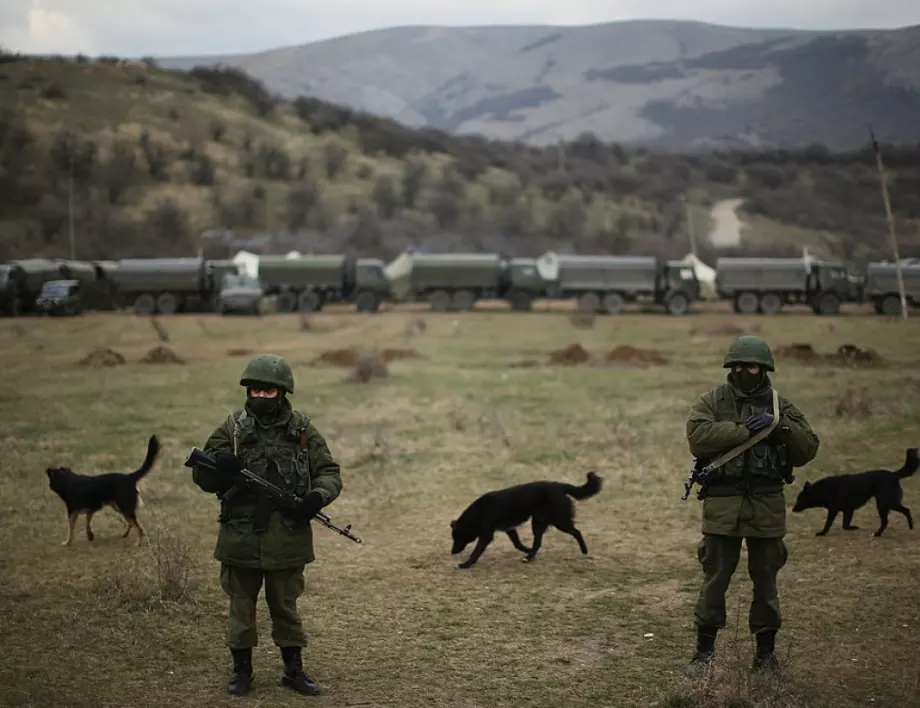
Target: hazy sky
<point x="171" y="27"/>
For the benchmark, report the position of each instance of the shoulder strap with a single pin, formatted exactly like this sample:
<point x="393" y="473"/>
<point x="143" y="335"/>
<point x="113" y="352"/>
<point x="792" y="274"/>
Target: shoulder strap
<point x="750" y="442"/>
<point x="235" y="423"/>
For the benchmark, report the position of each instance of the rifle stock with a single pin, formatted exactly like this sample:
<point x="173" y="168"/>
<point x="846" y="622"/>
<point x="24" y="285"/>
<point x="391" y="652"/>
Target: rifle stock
<point x="289" y="500"/>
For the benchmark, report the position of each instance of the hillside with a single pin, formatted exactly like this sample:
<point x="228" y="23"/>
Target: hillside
<point x="664" y="84"/>
<point x="166" y="162"/>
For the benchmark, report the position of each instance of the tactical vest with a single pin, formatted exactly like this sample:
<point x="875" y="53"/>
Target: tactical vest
<point x="277" y="453"/>
<point x="760" y="470"/>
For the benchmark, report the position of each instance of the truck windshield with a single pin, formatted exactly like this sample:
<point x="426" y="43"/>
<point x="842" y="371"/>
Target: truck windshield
<point x="56" y="289"/>
<point x="240" y="281"/>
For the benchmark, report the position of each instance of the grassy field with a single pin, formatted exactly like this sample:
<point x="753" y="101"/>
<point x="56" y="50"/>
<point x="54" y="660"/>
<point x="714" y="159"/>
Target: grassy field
<point x="393" y="622"/>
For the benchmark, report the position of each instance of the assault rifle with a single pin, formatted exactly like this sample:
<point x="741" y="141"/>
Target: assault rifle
<point x="698" y="474"/>
<point x="285" y="499"/>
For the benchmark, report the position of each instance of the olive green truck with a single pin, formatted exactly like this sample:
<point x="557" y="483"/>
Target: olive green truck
<point x="881" y="287"/>
<point x="169" y="285"/>
<point x="766" y="285"/>
<point x="456" y="281"/>
<point x="21" y="283"/>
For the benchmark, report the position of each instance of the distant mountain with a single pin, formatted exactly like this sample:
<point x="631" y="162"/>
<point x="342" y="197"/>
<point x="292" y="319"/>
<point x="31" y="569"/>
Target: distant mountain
<point x="666" y="84"/>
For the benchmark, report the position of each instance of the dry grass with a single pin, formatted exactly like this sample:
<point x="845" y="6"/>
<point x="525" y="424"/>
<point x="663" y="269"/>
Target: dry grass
<point x="392" y="621"/>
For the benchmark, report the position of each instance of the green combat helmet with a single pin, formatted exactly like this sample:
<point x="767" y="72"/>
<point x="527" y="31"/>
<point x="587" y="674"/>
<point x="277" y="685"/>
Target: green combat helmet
<point x="269" y="369"/>
<point x="749" y="349"/>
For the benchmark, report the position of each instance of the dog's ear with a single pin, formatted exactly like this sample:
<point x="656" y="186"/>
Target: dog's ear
<point x="807" y="486"/>
<point x="453" y="523"/>
<point x="49" y="471"/>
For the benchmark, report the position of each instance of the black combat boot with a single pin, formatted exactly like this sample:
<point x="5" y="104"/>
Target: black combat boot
<point x="241" y="678"/>
<point x="705" y="650"/>
<point x="765" y="657"/>
<point x="293" y="676"/>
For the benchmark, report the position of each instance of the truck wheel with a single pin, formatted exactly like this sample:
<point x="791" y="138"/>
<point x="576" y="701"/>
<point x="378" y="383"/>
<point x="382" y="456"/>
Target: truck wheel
<point x="439" y="301"/>
<point x="145" y="304"/>
<point x="366" y="302"/>
<point x="588" y="302"/>
<point x="613" y="303"/>
<point x="167" y="304"/>
<point x="309" y="301"/>
<point x="287" y="301"/>
<point x="771" y="304"/>
<point x="520" y="301"/>
<point x="463" y="300"/>
<point x="677" y="303"/>
<point x="891" y="305"/>
<point x="747" y="303"/>
<point x="828" y="304"/>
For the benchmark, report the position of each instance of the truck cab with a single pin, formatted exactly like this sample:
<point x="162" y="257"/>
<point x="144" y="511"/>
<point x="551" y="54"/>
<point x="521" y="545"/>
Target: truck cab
<point x="239" y="294"/>
<point x="60" y="297"/>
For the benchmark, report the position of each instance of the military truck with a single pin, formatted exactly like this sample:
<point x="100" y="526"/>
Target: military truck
<point x="167" y="285"/>
<point x="307" y="283"/>
<point x="241" y="294"/>
<point x="97" y="288"/>
<point x="765" y="285"/>
<point x="21" y="282"/>
<point x="456" y="281"/>
<point x="881" y="286"/>
<point x="606" y="283"/>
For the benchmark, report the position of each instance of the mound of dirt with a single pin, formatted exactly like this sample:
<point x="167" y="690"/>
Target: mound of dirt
<point x="846" y="355"/>
<point x="338" y="357"/>
<point x="162" y="355"/>
<point x="102" y="357"/>
<point x="389" y="355"/>
<point x="570" y="355"/>
<point x="724" y="329"/>
<point x="239" y="352"/>
<point x="627" y="354"/>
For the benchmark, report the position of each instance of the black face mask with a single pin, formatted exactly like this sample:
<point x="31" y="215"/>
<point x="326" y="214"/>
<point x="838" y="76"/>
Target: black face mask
<point x="264" y="408"/>
<point x="746" y="381"/>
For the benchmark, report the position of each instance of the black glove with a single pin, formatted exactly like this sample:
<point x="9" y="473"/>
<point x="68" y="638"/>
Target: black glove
<point x="310" y="505"/>
<point x="228" y="464"/>
<point x="758" y="422"/>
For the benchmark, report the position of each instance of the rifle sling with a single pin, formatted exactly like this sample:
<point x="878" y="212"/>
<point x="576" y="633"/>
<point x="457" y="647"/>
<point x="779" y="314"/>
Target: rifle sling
<point x="750" y="442"/>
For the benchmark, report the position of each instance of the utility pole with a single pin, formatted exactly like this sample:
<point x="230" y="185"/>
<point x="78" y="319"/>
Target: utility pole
<point x="691" y="231"/>
<point x="890" y="217"/>
<point x="73" y="246"/>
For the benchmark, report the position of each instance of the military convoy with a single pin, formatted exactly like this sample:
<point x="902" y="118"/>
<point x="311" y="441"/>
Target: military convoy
<point x="448" y="282"/>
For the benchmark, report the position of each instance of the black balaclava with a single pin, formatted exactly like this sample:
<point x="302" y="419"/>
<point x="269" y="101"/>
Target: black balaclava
<point x="265" y="409"/>
<point x="746" y="382"/>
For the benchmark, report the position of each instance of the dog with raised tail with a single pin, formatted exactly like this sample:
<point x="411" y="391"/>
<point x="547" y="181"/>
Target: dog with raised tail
<point x="545" y="503"/>
<point x="845" y="493"/>
<point x="87" y="494"/>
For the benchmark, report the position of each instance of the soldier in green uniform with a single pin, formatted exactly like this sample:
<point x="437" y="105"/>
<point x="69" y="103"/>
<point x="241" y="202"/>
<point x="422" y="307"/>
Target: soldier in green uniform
<point x="257" y="542"/>
<point x="743" y="499"/>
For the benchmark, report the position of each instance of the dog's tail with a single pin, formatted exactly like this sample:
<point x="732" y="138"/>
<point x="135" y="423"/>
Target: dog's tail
<point x="591" y="487"/>
<point x="153" y="452"/>
<point x="911" y="463"/>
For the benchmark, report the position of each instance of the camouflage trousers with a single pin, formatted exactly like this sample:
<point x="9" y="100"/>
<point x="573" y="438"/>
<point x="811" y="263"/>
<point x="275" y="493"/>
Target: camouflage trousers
<point x="282" y="589"/>
<point x="719" y="556"/>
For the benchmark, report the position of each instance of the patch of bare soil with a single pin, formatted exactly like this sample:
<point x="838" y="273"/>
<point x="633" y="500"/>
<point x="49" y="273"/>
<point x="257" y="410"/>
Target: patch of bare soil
<point x="570" y="356"/>
<point x="724" y="329"/>
<point x="628" y="354"/>
<point x="338" y="357"/>
<point x="239" y="352"/>
<point x="102" y="357"/>
<point x="389" y="355"/>
<point x="162" y="355"/>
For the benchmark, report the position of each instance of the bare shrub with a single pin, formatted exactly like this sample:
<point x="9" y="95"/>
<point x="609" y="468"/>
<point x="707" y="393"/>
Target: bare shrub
<point x="173" y="563"/>
<point x="855" y="403"/>
<point x="370" y="366"/>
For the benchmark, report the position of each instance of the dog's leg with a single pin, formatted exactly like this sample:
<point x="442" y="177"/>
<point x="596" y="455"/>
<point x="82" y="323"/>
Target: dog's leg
<point x="882" y="515"/>
<point x="539" y="527"/>
<point x="847" y="521"/>
<point x="89" y="529"/>
<point x="71" y="522"/>
<point x="572" y="531"/>
<point x="831" y="515"/>
<point x="904" y="510"/>
<point x="516" y="541"/>
<point x="481" y="544"/>
<point x="140" y="530"/>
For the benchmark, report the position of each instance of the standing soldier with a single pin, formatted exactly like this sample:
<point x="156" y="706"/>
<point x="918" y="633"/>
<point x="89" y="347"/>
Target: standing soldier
<point x="763" y="436"/>
<point x="258" y="542"/>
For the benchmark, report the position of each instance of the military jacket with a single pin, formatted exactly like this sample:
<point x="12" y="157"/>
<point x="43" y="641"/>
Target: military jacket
<point x="289" y="452"/>
<point x="745" y="496"/>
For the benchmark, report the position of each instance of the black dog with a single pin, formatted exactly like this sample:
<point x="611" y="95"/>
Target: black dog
<point x="848" y="492"/>
<point x="88" y="494"/>
<point x="506" y="509"/>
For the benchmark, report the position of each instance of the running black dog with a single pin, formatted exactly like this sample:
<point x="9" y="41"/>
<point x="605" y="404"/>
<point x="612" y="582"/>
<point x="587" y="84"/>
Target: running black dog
<point x="547" y="503"/>
<point x="86" y="494"/>
<point x="845" y="493"/>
